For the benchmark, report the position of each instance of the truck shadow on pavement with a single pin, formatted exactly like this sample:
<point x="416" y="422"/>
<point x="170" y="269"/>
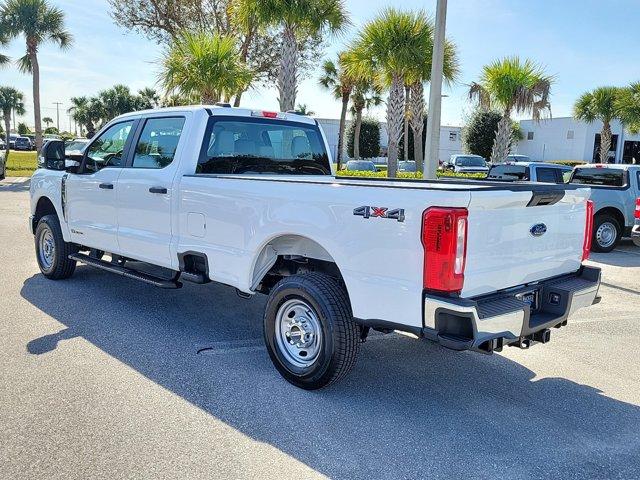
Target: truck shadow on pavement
<point x="15" y="185"/>
<point x="409" y="409"/>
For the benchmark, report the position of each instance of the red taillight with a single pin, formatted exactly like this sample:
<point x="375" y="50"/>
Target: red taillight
<point x="444" y="237"/>
<point x="588" y="231"/>
<point x="636" y="214"/>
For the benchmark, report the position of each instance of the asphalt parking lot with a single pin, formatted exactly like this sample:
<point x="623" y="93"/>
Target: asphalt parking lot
<point x="101" y="378"/>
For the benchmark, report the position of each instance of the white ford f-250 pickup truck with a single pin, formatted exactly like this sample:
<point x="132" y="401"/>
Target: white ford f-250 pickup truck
<point x="248" y="199"/>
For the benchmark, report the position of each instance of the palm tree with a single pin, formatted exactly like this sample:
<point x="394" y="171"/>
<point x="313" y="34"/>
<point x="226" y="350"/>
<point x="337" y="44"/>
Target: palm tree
<point x="365" y="95"/>
<point x="295" y="19"/>
<point x="47" y="121"/>
<point x="628" y="107"/>
<point x="303" y="109"/>
<point x="148" y="98"/>
<point x="87" y="112"/>
<point x="39" y="23"/>
<point x="4" y="59"/>
<point x="599" y="104"/>
<point x="335" y="78"/>
<point x="10" y="100"/>
<point x="396" y="48"/>
<point x="204" y="65"/>
<point x="511" y="84"/>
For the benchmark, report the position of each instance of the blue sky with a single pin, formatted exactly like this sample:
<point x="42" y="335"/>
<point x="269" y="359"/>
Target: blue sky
<point x="583" y="43"/>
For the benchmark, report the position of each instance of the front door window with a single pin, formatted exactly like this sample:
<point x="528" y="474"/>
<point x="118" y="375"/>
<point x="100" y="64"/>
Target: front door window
<point x="108" y="149"/>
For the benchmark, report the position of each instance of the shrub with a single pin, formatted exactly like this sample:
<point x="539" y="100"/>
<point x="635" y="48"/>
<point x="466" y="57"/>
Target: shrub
<point x="479" y="134"/>
<point x="570" y="163"/>
<point x="369" y="138"/>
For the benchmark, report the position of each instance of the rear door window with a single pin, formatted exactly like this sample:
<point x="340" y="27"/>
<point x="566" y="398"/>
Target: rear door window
<point x="608" y="177"/>
<point x="548" y="175"/>
<point x="255" y="145"/>
<point x="509" y="172"/>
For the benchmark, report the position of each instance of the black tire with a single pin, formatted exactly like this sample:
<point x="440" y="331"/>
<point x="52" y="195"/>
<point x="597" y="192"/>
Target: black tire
<point x="339" y="342"/>
<point x="55" y="264"/>
<point x="607" y="233"/>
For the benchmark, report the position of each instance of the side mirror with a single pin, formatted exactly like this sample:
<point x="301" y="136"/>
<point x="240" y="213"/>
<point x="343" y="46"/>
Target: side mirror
<point x="52" y="156"/>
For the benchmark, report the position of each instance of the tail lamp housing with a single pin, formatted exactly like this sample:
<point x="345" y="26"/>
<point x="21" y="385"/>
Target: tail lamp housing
<point x="636" y="213"/>
<point x="588" y="231"/>
<point x="444" y="238"/>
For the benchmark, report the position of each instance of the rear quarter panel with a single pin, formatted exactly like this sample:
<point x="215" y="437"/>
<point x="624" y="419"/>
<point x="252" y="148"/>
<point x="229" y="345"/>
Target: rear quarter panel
<point x="381" y="260"/>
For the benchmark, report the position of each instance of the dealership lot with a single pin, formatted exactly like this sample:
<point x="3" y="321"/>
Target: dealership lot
<point x="105" y="377"/>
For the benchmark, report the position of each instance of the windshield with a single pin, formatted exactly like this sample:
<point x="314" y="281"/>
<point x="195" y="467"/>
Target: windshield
<point x="509" y="172"/>
<point x="75" y="146"/>
<point x="256" y="145"/>
<point x="407" y="166"/>
<point x="470" y="162"/>
<point x="608" y="177"/>
<point x="361" y="166"/>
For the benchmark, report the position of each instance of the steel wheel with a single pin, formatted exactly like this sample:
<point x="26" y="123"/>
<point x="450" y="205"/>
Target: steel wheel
<point x="606" y="234"/>
<point x="46" y="248"/>
<point x="298" y="333"/>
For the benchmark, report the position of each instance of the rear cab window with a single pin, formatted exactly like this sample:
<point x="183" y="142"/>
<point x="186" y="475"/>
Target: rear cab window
<point x="606" y="177"/>
<point x="256" y="145"/>
<point x="509" y="172"/>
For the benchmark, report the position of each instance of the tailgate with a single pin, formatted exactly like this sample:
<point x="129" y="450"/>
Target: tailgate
<point x="517" y="237"/>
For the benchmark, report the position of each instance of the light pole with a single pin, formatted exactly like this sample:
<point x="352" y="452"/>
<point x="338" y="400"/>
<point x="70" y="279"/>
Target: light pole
<point x="57" y="104"/>
<point x="432" y="146"/>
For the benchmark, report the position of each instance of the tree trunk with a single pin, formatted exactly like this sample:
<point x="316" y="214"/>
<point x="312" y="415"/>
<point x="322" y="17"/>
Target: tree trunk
<point x="417" y="122"/>
<point x="605" y="142"/>
<point x="288" y="76"/>
<point x="236" y="102"/>
<point x="7" y="128"/>
<point x="407" y="116"/>
<point x="395" y="113"/>
<point x="356" y="133"/>
<point x="91" y="130"/>
<point x="502" y="142"/>
<point x="343" y="123"/>
<point x="35" y="70"/>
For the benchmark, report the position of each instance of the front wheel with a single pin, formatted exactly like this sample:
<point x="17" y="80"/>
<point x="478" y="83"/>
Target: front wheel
<point x="309" y="330"/>
<point x="606" y="233"/>
<point x="52" y="251"/>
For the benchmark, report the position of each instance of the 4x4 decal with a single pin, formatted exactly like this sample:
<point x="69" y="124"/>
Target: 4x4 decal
<point x="380" y="212"/>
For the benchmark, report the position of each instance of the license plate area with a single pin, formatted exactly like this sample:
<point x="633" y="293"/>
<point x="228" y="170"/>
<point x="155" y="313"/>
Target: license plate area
<point x="532" y="297"/>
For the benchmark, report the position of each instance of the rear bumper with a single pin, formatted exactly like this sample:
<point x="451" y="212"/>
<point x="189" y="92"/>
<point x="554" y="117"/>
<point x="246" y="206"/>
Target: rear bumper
<point x="489" y="322"/>
<point x="635" y="231"/>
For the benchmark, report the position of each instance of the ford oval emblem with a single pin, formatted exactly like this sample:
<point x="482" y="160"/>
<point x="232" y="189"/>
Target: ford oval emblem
<point x="538" y="229"/>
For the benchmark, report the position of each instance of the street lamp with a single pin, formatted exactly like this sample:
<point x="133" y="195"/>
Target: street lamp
<point x="432" y="145"/>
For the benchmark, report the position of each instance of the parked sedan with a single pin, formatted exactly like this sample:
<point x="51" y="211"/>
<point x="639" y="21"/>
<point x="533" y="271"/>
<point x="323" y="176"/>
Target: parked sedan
<point x="467" y="164"/>
<point x="408" y="166"/>
<point x="361" y="166"/>
<point x="22" y="143"/>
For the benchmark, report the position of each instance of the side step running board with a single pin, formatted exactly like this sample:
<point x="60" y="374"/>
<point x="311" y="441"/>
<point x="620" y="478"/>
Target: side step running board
<point x="124" y="271"/>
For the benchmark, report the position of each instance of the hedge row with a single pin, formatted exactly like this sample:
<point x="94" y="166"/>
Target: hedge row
<point x="383" y="174"/>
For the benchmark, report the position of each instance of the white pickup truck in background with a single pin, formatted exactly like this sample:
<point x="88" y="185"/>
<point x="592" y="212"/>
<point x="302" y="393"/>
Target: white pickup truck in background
<point x="248" y="199"/>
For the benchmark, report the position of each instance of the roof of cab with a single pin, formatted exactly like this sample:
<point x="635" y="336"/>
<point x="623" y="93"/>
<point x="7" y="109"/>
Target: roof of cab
<point x="616" y="166"/>
<point x="218" y="110"/>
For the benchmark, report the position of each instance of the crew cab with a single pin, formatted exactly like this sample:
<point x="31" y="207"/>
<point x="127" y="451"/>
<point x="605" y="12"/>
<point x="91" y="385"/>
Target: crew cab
<point x="615" y="189"/>
<point x="530" y="171"/>
<point x="249" y="199"/>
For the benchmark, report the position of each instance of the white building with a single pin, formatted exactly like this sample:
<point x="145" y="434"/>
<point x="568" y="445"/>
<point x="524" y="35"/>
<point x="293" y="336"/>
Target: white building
<point x="450" y="137"/>
<point x="569" y="139"/>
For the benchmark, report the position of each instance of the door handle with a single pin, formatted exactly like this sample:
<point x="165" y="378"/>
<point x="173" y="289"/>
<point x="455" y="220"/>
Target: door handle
<point x="158" y="190"/>
<point x="106" y="186"/>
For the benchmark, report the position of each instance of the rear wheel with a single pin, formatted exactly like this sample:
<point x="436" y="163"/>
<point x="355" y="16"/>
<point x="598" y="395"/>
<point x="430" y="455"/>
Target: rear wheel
<point x="309" y="330"/>
<point x="52" y="251"/>
<point x="607" y="233"/>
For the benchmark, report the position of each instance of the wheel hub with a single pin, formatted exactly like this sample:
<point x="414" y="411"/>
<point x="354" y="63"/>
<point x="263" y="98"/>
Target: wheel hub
<point x="298" y="333"/>
<point x="47" y="248"/>
<point x="606" y="234"/>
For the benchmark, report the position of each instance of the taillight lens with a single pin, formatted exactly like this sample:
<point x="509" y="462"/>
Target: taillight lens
<point x="636" y="214"/>
<point x="588" y="231"/>
<point x="444" y="237"/>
